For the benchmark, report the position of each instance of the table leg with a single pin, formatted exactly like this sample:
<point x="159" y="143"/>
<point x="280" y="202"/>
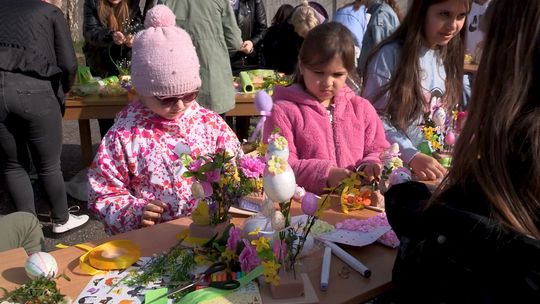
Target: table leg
<point x="86" y="141"/>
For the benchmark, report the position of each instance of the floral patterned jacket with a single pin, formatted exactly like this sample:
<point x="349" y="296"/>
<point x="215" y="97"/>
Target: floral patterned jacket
<point x="138" y="161"/>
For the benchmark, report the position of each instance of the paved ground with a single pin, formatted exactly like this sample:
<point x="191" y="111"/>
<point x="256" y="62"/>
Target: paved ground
<point x="70" y="167"/>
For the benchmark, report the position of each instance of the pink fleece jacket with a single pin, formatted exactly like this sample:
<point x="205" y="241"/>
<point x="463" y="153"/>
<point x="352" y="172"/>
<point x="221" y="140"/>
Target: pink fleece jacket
<point x="356" y="135"/>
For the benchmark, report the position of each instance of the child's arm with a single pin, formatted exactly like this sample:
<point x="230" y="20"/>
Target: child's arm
<point x="108" y="194"/>
<point x="312" y="174"/>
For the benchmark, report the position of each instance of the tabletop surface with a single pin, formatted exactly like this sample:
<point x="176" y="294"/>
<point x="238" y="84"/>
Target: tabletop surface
<point x="353" y="289"/>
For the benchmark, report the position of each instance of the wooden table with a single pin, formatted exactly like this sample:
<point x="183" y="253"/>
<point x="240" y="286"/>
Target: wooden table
<point x="470" y="68"/>
<point x="354" y="289"/>
<point x="94" y="107"/>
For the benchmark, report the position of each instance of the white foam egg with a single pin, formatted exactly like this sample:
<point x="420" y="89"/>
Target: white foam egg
<point x="41" y="264"/>
<point x="280" y="187"/>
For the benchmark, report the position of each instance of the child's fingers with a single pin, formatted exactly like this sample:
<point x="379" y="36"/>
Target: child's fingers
<point x="147" y="223"/>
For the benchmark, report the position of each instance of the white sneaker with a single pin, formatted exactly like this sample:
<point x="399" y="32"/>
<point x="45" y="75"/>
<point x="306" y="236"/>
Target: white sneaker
<point x="74" y="221"/>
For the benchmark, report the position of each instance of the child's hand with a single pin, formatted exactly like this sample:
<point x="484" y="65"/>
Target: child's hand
<point x="336" y="175"/>
<point x="152" y="213"/>
<point x="426" y="167"/>
<point x="372" y="171"/>
<point x="129" y="41"/>
<point x="118" y="38"/>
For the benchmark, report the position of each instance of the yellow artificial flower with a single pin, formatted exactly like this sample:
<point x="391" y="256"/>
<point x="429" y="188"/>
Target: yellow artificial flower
<point x="255" y="232"/>
<point x="281" y="143"/>
<point x="395" y="162"/>
<point x="428" y="132"/>
<point x="228" y="255"/>
<point x="435" y="145"/>
<point x="261" y="244"/>
<point x="200" y="259"/>
<point x="454" y="115"/>
<point x="261" y="149"/>
<point x="271" y="271"/>
<point x="276" y="165"/>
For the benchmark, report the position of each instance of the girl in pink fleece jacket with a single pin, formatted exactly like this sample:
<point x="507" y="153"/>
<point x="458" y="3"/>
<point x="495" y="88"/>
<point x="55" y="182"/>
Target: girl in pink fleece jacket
<point x="331" y="131"/>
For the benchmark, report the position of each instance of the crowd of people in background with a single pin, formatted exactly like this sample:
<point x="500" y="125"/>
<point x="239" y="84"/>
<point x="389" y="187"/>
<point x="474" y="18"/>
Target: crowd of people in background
<point x="409" y="67"/>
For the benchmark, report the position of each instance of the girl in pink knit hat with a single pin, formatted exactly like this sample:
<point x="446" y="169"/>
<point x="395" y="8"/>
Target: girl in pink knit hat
<point x="136" y="178"/>
<point x="331" y="131"/>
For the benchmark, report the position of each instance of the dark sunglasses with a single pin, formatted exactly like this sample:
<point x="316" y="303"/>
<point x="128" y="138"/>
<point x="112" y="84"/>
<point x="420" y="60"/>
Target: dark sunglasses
<point x="168" y="101"/>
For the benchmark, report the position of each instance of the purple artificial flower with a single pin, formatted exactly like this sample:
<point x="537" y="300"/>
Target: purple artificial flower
<point x="252" y="167"/>
<point x="196" y="165"/>
<point x="213" y="176"/>
<point x="248" y="257"/>
<point x="234" y="237"/>
<point x="207" y="189"/>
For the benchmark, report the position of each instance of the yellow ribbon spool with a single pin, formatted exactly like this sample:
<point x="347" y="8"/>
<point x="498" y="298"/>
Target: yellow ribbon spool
<point x="119" y="254"/>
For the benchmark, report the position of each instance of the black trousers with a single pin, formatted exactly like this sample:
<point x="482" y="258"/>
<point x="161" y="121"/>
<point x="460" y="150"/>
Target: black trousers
<point x="30" y="117"/>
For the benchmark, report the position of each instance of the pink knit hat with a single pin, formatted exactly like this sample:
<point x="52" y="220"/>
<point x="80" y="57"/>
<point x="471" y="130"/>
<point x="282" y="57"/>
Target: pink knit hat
<point x="164" y="61"/>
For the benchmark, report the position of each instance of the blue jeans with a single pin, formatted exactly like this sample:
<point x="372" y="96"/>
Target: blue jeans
<point x="30" y="117"/>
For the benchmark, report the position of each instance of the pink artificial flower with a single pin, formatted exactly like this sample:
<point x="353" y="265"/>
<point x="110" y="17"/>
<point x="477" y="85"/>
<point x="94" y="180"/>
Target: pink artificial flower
<point x="196" y="165"/>
<point x="213" y="176"/>
<point x="234" y="237"/>
<point x="252" y="167"/>
<point x="248" y="257"/>
<point x="207" y="189"/>
<point x="280" y="250"/>
<point x="310" y="203"/>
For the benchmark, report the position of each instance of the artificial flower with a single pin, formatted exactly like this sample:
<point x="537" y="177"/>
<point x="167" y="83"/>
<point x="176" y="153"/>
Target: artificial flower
<point x="299" y="193"/>
<point x="252" y="167"/>
<point x="271" y="271"/>
<point x="248" y="258"/>
<point x="280" y="143"/>
<point x="277" y="165"/>
<point x="255" y="232"/>
<point x="207" y="187"/>
<point x="196" y="165"/>
<point x="234" y="237"/>
<point x="261" y="244"/>
<point x="213" y="175"/>
<point x="395" y="162"/>
<point x="228" y="255"/>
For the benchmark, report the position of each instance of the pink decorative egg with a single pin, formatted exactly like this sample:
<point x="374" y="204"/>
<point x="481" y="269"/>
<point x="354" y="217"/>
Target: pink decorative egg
<point x="450" y="138"/>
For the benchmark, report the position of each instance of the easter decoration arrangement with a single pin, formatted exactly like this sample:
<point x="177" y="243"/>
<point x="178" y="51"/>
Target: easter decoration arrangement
<point x="219" y="180"/>
<point x="440" y="133"/>
<point x="42" y="269"/>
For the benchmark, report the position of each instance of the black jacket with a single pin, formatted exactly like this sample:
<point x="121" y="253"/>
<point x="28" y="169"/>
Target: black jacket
<point x="452" y="252"/>
<point x="99" y="49"/>
<point x="35" y="40"/>
<point x="251" y="19"/>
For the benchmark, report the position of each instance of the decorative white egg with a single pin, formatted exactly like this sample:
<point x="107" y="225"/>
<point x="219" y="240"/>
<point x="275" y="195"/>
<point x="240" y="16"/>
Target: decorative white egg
<point x="41" y="264"/>
<point x="280" y="187"/>
<point x="278" y="221"/>
<point x="268" y="207"/>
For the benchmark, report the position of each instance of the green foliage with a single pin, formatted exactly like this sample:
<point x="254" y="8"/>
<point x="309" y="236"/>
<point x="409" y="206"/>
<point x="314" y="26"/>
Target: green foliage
<point x="39" y="291"/>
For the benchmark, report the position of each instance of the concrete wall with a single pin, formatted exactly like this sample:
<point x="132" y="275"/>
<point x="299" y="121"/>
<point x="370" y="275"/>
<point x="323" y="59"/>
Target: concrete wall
<point x="273" y="5"/>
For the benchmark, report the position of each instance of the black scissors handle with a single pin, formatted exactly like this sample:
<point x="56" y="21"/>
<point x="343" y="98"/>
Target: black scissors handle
<point x="216" y="267"/>
<point x="227" y="285"/>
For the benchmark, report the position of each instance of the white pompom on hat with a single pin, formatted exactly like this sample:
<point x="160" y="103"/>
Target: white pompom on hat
<point x="164" y="61"/>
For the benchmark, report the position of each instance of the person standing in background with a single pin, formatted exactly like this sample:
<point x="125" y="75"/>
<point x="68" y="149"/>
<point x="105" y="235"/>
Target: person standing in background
<point x="107" y="40"/>
<point x="37" y="68"/>
<point x="385" y="19"/>
<point x="212" y="26"/>
<point x="353" y="16"/>
<point x="251" y="19"/>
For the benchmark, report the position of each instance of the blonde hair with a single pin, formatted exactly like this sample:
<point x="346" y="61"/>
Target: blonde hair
<point x="304" y="19"/>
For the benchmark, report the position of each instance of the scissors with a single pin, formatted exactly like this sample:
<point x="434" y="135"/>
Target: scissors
<point x="199" y="278"/>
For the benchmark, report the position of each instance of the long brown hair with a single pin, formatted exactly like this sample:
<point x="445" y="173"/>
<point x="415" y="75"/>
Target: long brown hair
<point x="499" y="147"/>
<point x="113" y="16"/>
<point x="323" y="43"/>
<point x="406" y="98"/>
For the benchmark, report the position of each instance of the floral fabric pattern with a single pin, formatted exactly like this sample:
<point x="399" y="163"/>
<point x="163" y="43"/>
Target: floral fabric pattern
<point x="139" y="161"/>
